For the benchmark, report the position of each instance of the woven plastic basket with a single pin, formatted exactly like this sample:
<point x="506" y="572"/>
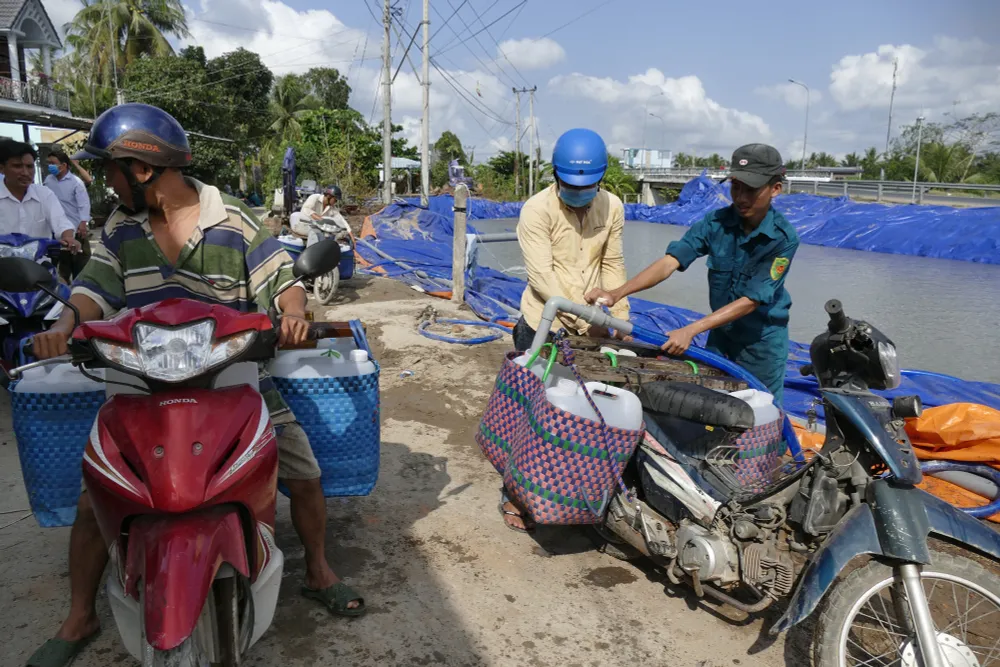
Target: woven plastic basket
<point x="341" y="417"/>
<point x="52" y="432"/>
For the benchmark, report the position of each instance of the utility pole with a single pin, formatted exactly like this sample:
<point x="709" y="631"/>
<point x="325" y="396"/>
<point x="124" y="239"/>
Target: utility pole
<point x="892" y="97"/>
<point x="916" y="166"/>
<point x="386" y="110"/>
<point x="425" y="124"/>
<point x="119" y="96"/>
<point x="531" y="142"/>
<point x="517" y="144"/>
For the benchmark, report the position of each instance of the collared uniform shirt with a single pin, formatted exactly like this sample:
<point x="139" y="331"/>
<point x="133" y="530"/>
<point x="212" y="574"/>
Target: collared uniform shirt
<point x="230" y="247"/>
<point x="566" y="258"/>
<point x="750" y="265"/>
<point x="72" y="194"/>
<point x="39" y="215"/>
<point x="313" y="204"/>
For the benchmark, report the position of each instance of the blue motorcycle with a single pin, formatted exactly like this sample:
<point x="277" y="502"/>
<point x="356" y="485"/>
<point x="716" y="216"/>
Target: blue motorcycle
<point x="892" y="575"/>
<point x="23" y="314"/>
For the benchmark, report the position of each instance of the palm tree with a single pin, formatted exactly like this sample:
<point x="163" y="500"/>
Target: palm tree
<point x="290" y="101"/>
<point x="851" y="160"/>
<point x="111" y="34"/>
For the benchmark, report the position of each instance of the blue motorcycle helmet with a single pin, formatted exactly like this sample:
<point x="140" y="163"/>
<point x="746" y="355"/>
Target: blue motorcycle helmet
<point x="580" y="158"/>
<point x="142" y="132"/>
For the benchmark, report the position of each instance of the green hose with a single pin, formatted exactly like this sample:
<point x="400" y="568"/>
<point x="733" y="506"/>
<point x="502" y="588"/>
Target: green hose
<point x="694" y="366"/>
<point x="613" y="357"/>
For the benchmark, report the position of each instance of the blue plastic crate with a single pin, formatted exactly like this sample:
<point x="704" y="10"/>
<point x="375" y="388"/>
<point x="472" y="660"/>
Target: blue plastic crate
<point x="52" y="432"/>
<point x="341" y="418"/>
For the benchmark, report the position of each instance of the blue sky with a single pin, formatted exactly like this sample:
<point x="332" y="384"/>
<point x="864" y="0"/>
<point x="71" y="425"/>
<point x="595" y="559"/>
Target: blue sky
<point x="714" y="74"/>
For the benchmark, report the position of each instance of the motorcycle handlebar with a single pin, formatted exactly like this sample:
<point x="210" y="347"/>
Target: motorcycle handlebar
<point x="838" y="320"/>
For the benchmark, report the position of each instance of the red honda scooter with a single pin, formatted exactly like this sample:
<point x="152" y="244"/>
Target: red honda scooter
<point x="182" y="467"/>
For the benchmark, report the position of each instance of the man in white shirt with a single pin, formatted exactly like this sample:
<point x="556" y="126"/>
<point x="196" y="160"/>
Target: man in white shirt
<point x="72" y="194"/>
<point x="26" y="207"/>
<point x="316" y="207"/>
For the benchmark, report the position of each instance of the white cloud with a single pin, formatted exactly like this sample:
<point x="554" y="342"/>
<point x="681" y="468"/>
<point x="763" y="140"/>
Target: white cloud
<point x="932" y="79"/>
<point x="791" y="94"/>
<point x="62" y="12"/>
<point x="531" y="53"/>
<point x="690" y="119"/>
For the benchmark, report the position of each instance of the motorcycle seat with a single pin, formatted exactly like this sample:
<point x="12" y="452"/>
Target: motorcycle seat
<point x="697" y="404"/>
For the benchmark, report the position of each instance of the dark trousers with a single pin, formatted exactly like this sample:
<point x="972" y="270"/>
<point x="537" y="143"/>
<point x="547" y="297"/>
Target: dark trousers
<point x="71" y="265"/>
<point x="523" y="336"/>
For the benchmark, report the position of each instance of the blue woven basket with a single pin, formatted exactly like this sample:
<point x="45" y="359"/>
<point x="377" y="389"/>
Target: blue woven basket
<point x="341" y="417"/>
<point x="52" y="432"/>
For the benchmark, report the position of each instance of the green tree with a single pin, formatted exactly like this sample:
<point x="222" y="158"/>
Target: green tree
<point x="291" y="99"/>
<point x="617" y="181"/>
<point x="110" y="35"/>
<point x="328" y="87"/>
<point x="851" y="160"/>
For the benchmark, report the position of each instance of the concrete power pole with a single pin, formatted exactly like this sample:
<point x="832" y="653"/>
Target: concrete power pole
<point x="531" y="142"/>
<point x="425" y="124"/>
<point x="892" y="98"/>
<point x="386" y="110"/>
<point x="517" y="144"/>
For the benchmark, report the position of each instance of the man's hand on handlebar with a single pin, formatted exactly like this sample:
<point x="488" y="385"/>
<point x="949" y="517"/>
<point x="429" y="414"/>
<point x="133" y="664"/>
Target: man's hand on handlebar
<point x="49" y="344"/>
<point x="600" y="297"/>
<point x="294" y="330"/>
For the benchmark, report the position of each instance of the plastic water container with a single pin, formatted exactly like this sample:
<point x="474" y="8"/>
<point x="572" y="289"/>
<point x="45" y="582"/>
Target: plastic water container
<point x="334" y="392"/>
<point x="619" y="407"/>
<point x="538" y="368"/>
<point x="764" y="409"/>
<point x="53" y="409"/>
<point x="328" y="362"/>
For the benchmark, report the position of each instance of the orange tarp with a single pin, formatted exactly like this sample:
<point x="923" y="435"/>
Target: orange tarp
<point x="957" y="432"/>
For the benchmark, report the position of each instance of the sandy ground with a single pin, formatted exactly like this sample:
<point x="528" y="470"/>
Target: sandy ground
<point x="446" y="583"/>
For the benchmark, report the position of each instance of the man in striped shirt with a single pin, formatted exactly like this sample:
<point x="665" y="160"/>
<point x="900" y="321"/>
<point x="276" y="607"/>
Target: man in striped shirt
<point x="176" y="237"/>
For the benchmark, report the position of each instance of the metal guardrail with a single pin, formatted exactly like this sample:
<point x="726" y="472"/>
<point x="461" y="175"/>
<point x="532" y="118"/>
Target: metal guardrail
<point x="880" y="189"/>
<point x="36" y="93"/>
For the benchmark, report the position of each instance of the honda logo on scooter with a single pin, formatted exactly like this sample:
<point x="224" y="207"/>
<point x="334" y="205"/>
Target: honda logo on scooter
<point x="174" y="401"/>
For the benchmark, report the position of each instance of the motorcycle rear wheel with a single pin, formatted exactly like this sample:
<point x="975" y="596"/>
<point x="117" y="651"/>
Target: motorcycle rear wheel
<point x="866" y="620"/>
<point x="325" y="286"/>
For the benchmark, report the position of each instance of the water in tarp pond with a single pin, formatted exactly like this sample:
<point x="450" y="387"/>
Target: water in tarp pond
<point x="943" y="315"/>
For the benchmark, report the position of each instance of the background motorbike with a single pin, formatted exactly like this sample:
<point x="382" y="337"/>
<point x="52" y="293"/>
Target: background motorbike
<point x="894" y="575"/>
<point x="23" y="314"/>
<point x="185" y="501"/>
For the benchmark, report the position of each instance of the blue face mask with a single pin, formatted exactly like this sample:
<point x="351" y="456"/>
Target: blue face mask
<point x="54" y="170"/>
<point x="578" y="198"/>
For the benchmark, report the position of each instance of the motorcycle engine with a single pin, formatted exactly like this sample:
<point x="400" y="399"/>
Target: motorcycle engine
<point x="709" y="552"/>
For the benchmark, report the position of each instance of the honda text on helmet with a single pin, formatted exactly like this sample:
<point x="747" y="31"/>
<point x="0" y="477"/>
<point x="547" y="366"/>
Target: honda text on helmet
<point x="130" y="132"/>
<point x="579" y="161"/>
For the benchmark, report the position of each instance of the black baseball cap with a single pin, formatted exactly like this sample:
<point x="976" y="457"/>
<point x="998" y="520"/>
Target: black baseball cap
<point x="756" y="164"/>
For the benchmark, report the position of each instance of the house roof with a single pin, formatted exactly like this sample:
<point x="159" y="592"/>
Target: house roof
<point x="14" y="12"/>
<point x="9" y="9"/>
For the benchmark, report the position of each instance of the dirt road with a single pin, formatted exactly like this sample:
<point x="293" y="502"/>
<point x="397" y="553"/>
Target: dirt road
<point x="445" y="581"/>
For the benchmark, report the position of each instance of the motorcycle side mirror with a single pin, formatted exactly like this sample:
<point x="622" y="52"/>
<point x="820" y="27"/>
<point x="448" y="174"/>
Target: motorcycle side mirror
<point x="23" y="275"/>
<point x="317" y="259"/>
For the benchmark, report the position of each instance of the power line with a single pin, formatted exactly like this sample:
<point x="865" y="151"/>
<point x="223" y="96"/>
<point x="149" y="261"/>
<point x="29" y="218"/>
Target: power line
<point x="448" y="46"/>
<point x="478" y="59"/>
<point x="499" y="50"/>
<point x="446" y="21"/>
<point x="566" y="25"/>
<point x="482" y="108"/>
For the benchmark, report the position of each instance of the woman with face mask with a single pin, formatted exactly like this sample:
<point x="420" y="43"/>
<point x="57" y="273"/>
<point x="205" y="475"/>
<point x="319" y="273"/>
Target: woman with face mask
<point x="571" y="239"/>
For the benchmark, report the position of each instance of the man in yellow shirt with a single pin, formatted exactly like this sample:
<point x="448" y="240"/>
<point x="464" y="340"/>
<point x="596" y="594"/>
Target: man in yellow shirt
<point x="571" y="237"/>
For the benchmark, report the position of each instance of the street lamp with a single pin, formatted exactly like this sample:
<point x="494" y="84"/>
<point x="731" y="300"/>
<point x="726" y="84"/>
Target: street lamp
<point x="663" y="134"/>
<point x="916" y="167"/>
<point x="645" y="113"/>
<point x="805" y="136"/>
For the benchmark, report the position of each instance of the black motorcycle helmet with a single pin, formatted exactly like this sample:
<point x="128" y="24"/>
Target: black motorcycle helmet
<point x="332" y="191"/>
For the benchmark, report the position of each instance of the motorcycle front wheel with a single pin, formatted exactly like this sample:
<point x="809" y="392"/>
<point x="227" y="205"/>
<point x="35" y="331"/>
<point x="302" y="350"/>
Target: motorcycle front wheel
<point x="866" y="620"/>
<point x="325" y="286"/>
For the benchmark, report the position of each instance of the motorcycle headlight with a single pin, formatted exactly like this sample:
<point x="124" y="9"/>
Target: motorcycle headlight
<point x="890" y="364"/>
<point x="26" y="251"/>
<point x="174" y="355"/>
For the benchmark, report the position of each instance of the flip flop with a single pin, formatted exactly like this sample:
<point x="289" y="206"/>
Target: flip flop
<point x="336" y="598"/>
<point x="506" y="513"/>
<point x="58" y="652"/>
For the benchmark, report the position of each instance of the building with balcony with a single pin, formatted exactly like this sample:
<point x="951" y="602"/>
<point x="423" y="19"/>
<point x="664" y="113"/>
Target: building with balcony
<point x="25" y="98"/>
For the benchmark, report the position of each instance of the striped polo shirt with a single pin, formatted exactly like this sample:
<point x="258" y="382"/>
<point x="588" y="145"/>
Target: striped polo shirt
<point x="230" y="259"/>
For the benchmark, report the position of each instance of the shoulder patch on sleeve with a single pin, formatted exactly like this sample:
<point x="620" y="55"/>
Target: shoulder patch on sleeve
<point x="778" y="267"/>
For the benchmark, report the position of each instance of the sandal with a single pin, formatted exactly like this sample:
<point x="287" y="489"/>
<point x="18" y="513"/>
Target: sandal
<point x="58" y="652"/>
<point x="506" y="513"/>
<point x="336" y="598"/>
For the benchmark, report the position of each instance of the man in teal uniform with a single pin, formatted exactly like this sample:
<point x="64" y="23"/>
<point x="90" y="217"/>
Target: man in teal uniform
<point x="750" y="247"/>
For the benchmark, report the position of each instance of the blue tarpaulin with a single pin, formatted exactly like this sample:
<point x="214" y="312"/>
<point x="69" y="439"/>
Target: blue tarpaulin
<point x="423" y="240"/>
<point x="969" y="234"/>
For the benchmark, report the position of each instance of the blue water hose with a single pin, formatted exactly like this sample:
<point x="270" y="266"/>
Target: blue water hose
<point x="984" y="471"/>
<point x="500" y="330"/>
<point x="705" y="357"/>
